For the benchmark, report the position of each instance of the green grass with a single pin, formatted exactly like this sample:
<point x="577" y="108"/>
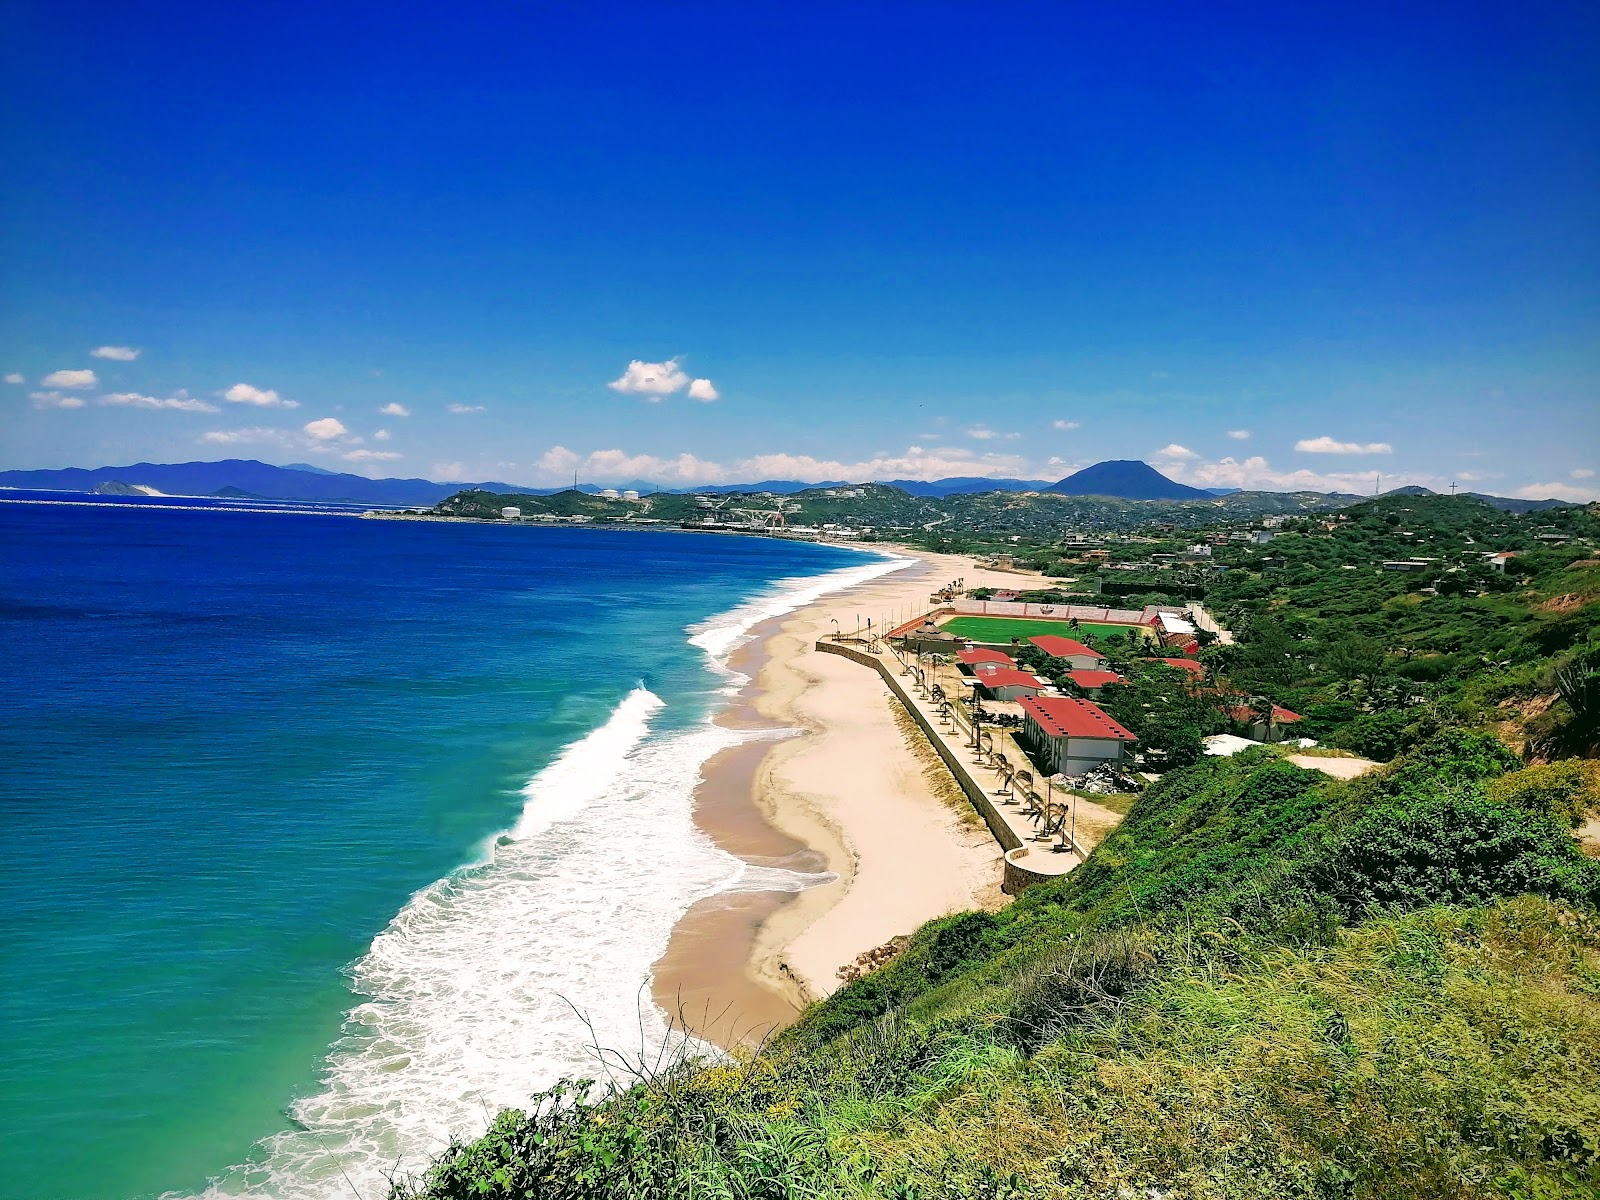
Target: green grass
<point x="1264" y="985"/>
<point x="998" y="631"/>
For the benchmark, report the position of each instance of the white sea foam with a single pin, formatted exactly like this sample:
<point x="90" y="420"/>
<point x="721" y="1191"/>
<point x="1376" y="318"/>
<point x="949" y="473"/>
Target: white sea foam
<point x="502" y="978"/>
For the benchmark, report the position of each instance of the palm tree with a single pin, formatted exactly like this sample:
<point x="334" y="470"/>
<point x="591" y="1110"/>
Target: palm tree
<point x="1262" y="710"/>
<point x="1578" y="684"/>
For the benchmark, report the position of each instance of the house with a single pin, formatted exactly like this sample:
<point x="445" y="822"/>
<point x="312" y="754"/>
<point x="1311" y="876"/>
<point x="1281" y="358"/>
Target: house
<point x="1093" y="681"/>
<point x="1497" y="562"/>
<point x="1008" y="683"/>
<point x="1071" y="737"/>
<point x="1405" y="564"/>
<point x="1076" y="655"/>
<point x="1262" y="731"/>
<point x="1196" y="553"/>
<point x="1184" y="664"/>
<point x="974" y="657"/>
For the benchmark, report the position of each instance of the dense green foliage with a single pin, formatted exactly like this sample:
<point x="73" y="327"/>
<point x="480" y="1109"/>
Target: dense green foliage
<point x="1379" y="660"/>
<point x="1264" y="983"/>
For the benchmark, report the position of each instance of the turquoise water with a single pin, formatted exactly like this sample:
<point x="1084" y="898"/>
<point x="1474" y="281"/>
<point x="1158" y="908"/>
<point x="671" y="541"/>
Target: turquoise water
<point x="318" y="829"/>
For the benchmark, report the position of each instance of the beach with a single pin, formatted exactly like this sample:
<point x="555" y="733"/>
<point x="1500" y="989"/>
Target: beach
<point x="846" y="785"/>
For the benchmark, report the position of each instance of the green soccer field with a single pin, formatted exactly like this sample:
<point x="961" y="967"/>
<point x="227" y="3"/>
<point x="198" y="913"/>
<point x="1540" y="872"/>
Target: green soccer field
<point x="998" y="631"/>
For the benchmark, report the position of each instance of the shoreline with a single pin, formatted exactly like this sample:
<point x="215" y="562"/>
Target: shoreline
<point x="840" y="786"/>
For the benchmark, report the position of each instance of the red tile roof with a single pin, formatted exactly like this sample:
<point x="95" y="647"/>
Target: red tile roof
<point x="1093" y="679"/>
<point x="1060" y="716"/>
<point x="972" y="657"/>
<point x="1060" y="647"/>
<point x="1244" y="714"/>
<point x="1007" y="677"/>
<point x="1184" y="664"/>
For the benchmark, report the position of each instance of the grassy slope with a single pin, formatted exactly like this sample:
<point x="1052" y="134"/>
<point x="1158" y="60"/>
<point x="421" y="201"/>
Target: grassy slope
<point x="1213" y="1006"/>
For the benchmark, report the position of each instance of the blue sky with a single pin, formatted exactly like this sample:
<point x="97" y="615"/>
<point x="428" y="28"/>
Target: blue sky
<point x="1255" y="247"/>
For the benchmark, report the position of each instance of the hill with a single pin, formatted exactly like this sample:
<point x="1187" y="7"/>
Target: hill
<point x="1126" y="479"/>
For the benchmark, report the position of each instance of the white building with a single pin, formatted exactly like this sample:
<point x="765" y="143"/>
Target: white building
<point x="1071" y="737"/>
<point x="610" y="494"/>
<point x="630" y="494"/>
<point x="511" y="514"/>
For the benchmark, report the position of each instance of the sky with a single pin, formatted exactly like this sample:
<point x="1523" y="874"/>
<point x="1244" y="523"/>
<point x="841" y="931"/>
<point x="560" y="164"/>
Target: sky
<point x="1281" y="246"/>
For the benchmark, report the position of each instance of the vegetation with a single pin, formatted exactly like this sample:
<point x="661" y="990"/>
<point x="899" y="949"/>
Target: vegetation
<point x="1378" y="660"/>
<point x="1264" y="983"/>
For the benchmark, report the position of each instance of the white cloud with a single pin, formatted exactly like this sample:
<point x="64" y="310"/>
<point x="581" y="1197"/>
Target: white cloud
<point x="1256" y="472"/>
<point x="464" y="408"/>
<point x="243" y="393"/>
<point x="393" y="409"/>
<point x="182" y="402"/>
<point x="450" y="472"/>
<point x="984" y="434"/>
<point x="1239" y="435"/>
<point x="381" y="435"/>
<point x="1175" y="451"/>
<point x="1582" y="473"/>
<point x="370" y="455"/>
<point x="15" y="378"/>
<point x="254" y="435"/>
<point x="701" y="389"/>
<point x="1327" y="445"/>
<point x="116" y="353"/>
<point x="652" y="380"/>
<point x="1560" y="491"/>
<point x="325" y="429"/>
<point x="612" y="465"/>
<point x="54" y="400"/>
<point x="70" y="379"/>
<point x="1064" y="425"/>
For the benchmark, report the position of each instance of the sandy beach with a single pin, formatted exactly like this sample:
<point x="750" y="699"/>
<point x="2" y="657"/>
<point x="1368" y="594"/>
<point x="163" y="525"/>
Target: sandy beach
<point x="856" y="791"/>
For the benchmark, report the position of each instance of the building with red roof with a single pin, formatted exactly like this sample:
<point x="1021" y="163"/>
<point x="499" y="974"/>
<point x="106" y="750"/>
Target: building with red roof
<point x="1184" y="664"/>
<point x="973" y="656"/>
<point x="1262" y="731"/>
<point x="1093" y="681"/>
<point x="1070" y="736"/>
<point x="1076" y="654"/>
<point x="1008" y="683"/>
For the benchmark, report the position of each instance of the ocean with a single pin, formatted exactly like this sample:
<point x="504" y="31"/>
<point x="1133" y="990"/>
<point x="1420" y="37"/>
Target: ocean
<point x="326" y="838"/>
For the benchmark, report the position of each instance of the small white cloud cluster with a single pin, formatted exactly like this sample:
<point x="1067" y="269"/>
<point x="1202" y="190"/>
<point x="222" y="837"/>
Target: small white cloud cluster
<point x="1064" y="426"/>
<point x="461" y="409"/>
<point x="395" y="409"/>
<point x="244" y="393"/>
<point x="75" y="380"/>
<point x="655" y="380"/>
<point x="325" y="436"/>
<point x="115" y="353"/>
<point x="181" y="402"/>
<point x="1328" y="445"/>
<point x="53" y="399"/>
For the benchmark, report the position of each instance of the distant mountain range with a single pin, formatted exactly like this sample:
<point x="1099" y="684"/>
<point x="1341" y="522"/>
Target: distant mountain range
<point x="1121" y="479"/>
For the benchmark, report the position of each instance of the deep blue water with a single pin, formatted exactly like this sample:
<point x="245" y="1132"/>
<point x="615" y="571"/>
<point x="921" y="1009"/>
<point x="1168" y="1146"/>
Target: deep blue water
<point x="239" y="743"/>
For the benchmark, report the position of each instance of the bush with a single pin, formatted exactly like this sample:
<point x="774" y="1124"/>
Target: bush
<point x="1458" y="847"/>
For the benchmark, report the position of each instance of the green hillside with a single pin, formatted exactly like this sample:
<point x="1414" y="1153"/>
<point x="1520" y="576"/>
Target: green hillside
<point x="891" y="512"/>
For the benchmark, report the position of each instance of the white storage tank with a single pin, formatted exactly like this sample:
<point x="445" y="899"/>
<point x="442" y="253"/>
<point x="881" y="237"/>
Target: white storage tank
<point x="511" y="514"/>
